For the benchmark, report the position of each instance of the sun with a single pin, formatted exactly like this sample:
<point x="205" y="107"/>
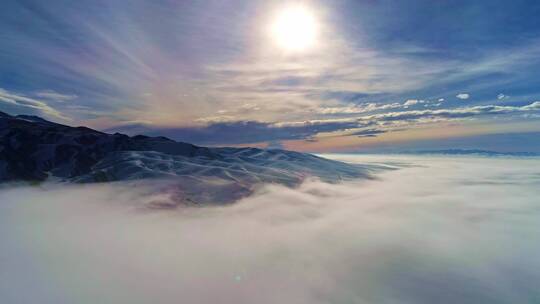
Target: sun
<point x="295" y="29"/>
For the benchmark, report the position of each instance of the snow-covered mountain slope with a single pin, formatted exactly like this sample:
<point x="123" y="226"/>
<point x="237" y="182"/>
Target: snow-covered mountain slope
<point x="33" y="149"/>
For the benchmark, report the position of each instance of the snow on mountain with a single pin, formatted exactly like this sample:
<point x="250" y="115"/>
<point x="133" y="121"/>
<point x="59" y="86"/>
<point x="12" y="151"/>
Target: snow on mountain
<point x="33" y="149"/>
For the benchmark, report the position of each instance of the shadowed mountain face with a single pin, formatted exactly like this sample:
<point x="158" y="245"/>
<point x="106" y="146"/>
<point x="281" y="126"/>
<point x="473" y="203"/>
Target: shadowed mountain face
<point x="34" y="149"/>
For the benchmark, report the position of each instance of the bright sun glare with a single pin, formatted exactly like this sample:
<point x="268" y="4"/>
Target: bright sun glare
<point x="295" y="29"/>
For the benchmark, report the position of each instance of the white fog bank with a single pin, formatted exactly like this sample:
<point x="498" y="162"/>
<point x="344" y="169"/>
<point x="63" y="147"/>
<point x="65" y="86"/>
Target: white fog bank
<point x="438" y="230"/>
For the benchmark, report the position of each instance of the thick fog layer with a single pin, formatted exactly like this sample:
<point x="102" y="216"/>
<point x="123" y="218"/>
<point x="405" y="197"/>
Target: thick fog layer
<point x="438" y="230"/>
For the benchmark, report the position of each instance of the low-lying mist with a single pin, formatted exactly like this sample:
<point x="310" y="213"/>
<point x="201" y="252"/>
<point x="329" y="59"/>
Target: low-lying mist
<point x="438" y="230"/>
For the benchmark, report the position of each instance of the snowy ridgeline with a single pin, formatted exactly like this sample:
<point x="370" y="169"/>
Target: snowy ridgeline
<point x="33" y="149"/>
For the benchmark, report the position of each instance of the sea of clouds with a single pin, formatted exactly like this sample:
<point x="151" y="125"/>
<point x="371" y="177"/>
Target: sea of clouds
<point x="437" y="230"/>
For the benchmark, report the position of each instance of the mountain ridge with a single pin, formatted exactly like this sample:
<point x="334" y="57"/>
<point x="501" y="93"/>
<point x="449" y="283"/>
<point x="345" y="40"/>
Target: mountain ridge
<point x="34" y="149"/>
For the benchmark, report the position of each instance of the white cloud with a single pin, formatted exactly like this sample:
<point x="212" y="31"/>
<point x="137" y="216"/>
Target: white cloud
<point x="21" y="104"/>
<point x="55" y="96"/>
<point x="502" y="96"/>
<point x="440" y="100"/>
<point x="531" y="107"/>
<point x="412" y="102"/>
<point x="311" y="122"/>
<point x="414" y="115"/>
<point x="463" y="96"/>
<point x="357" y="109"/>
<point x="461" y="112"/>
<point x="216" y="119"/>
<point x="445" y="229"/>
<point x="410" y="118"/>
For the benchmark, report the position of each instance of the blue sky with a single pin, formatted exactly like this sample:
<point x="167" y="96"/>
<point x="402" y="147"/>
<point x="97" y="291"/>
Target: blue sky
<point x="378" y="73"/>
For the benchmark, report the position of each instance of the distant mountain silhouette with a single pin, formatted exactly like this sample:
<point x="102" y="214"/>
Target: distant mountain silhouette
<point x="472" y="152"/>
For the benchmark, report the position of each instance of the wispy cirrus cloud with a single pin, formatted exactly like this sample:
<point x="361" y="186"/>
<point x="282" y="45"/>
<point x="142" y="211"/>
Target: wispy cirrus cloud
<point x="55" y="96"/>
<point x="22" y="104"/>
